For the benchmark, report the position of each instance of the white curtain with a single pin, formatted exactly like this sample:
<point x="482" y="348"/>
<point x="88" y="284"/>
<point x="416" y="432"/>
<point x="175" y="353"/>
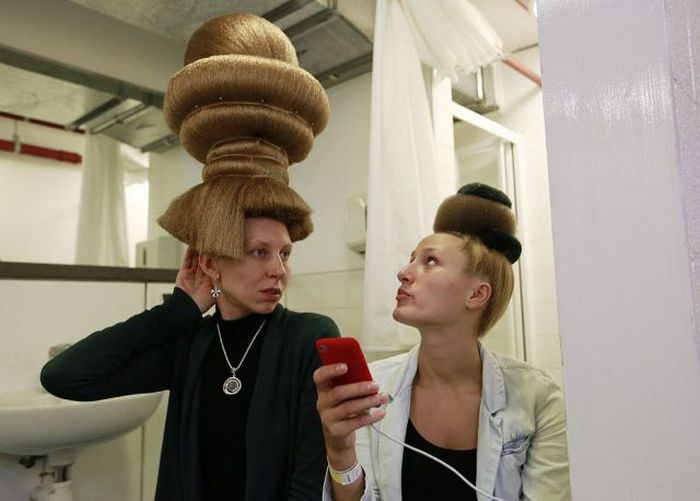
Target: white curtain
<point x="407" y="176"/>
<point x="102" y="237"/>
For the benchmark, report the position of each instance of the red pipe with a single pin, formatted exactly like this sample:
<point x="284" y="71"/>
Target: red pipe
<point x="21" y="118"/>
<point x="40" y="151"/>
<point x="523" y="70"/>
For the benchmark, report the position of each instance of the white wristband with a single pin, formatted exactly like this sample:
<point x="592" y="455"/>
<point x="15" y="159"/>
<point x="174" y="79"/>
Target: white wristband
<point x="346" y="477"/>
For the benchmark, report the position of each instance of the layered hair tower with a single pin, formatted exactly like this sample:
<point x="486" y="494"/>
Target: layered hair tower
<point x="243" y="107"/>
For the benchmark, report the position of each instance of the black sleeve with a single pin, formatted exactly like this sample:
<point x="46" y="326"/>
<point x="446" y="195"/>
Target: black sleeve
<point x="309" y="468"/>
<point x="134" y="356"/>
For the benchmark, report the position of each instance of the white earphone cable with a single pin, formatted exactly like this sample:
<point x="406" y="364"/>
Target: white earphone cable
<point x="439" y="461"/>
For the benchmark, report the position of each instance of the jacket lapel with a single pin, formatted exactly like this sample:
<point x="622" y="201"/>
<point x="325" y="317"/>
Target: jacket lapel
<point x="189" y="426"/>
<point x="389" y="455"/>
<point x="490" y="442"/>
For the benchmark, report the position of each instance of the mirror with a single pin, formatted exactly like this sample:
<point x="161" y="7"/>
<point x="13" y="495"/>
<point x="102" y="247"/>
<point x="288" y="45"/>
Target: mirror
<point x="42" y="194"/>
<point x="49" y="115"/>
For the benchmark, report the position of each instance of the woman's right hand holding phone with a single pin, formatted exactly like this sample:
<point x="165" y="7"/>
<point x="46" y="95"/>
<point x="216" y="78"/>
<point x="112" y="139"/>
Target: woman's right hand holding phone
<point x="344" y="409"/>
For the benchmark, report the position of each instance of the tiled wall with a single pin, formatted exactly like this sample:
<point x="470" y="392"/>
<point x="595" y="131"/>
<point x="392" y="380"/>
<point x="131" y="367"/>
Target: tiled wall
<point x="336" y="294"/>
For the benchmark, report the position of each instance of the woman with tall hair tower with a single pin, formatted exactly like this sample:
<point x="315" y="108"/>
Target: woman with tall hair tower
<point x="241" y="421"/>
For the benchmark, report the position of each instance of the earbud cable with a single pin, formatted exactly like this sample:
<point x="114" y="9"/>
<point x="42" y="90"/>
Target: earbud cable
<point x="437" y="460"/>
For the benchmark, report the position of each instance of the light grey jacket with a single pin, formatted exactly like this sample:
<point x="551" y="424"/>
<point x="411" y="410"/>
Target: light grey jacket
<point x="522" y="452"/>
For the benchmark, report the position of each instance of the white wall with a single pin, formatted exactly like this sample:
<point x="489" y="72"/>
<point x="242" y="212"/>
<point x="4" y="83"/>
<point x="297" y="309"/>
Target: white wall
<point x="336" y="168"/>
<point x="39" y="197"/>
<point x="622" y="121"/>
<point x="171" y="173"/>
<point x="327" y="275"/>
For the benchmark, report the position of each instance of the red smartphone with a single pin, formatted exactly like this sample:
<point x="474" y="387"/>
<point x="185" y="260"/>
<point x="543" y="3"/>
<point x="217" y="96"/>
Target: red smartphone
<point x="346" y="350"/>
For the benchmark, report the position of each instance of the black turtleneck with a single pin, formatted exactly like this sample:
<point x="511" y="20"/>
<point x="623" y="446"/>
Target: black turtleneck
<point x="222" y="418"/>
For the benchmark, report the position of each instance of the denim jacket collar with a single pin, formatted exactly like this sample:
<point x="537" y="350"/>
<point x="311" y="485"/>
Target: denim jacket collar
<point x="388" y="455"/>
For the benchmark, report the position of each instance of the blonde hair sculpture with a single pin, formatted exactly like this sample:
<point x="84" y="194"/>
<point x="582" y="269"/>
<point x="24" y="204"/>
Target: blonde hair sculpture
<point x="244" y="108"/>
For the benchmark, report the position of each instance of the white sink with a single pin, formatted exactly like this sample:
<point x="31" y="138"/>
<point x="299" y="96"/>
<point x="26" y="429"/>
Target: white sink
<point x="34" y="422"/>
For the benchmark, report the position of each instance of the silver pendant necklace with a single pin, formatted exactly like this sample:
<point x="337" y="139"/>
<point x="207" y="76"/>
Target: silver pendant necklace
<point x="233" y="385"/>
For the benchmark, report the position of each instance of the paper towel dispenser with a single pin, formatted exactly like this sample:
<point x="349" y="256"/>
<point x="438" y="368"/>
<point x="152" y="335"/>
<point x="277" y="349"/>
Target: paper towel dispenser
<point x="355" y="223"/>
<point x="161" y="252"/>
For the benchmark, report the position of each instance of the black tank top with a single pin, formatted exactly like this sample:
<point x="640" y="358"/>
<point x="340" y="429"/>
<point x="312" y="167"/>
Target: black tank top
<point x="423" y="479"/>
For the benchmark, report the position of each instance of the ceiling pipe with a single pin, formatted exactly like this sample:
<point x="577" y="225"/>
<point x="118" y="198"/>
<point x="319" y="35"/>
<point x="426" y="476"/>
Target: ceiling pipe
<point x="40" y="151"/>
<point x="523" y="70"/>
<point x="122" y="118"/>
<point x="523" y="4"/>
<point x="96" y="112"/>
<point x="35" y="121"/>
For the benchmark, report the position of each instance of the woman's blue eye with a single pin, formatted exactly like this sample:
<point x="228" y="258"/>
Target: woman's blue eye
<point x="285" y="255"/>
<point x="259" y="252"/>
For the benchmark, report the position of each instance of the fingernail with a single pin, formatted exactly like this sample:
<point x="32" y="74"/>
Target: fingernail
<point x="372" y="387"/>
<point x="341" y="367"/>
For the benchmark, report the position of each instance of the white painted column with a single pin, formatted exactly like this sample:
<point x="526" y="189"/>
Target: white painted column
<point x="622" y="118"/>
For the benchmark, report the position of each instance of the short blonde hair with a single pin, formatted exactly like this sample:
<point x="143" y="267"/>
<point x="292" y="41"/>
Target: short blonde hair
<point x="493" y="267"/>
<point x="482" y="217"/>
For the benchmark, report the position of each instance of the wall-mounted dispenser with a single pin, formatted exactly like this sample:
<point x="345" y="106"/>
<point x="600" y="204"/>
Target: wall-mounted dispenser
<point x="161" y="252"/>
<point x="355" y="223"/>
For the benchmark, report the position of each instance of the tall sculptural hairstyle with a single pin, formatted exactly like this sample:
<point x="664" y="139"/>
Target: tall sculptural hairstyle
<point x="244" y="108"/>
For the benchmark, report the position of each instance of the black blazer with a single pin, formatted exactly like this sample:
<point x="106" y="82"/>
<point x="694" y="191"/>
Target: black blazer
<point x="163" y="349"/>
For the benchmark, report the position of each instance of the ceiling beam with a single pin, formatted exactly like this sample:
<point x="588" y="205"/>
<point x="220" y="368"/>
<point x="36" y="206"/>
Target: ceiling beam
<point x="310" y="22"/>
<point x="87" y="79"/>
<point x="345" y="71"/>
<point x="96" y="112"/>
<point x="285" y="9"/>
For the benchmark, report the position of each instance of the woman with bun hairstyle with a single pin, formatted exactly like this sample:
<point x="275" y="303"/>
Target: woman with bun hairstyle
<point x="241" y="421"/>
<point x="498" y="421"/>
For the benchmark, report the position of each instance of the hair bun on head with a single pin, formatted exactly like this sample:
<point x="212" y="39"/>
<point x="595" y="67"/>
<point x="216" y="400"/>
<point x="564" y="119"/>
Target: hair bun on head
<point x="483" y="211"/>
<point x="244" y="108"/>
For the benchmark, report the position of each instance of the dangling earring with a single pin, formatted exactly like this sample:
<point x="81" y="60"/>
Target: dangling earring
<point x="215" y="292"/>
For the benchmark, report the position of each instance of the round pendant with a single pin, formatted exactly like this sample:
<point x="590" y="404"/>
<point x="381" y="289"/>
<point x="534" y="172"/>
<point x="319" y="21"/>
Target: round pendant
<point x="232" y="385"/>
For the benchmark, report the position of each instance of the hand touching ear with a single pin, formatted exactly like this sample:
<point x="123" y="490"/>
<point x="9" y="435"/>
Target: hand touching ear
<point x="191" y="279"/>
